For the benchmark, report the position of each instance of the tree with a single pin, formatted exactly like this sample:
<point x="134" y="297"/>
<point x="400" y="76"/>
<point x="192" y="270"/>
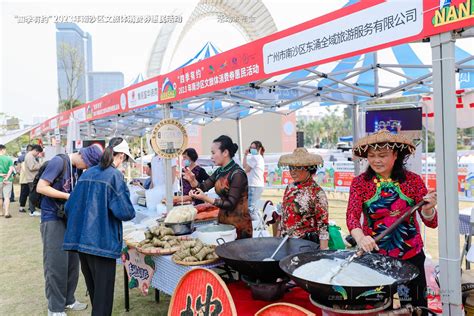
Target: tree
<point x="11" y="123"/>
<point x="431" y="140"/>
<point x="71" y="62"/>
<point x="326" y="131"/>
<point x="15" y="146"/>
<point x="65" y="105"/>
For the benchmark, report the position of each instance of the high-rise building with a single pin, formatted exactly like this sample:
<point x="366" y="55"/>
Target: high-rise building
<point x="101" y="83"/>
<point x="74" y="60"/>
<point x="74" y="48"/>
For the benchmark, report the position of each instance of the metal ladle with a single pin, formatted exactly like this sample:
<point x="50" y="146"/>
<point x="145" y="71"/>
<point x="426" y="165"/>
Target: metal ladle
<point x="278" y="248"/>
<point x="360" y="252"/>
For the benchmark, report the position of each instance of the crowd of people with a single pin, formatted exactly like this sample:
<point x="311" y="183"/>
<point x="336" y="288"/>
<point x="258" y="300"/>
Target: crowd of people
<point x="81" y="215"/>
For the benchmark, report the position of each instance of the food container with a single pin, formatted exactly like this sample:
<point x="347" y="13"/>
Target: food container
<point x="209" y="234"/>
<point x="184" y="228"/>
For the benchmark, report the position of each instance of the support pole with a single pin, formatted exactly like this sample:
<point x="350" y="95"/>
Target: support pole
<point x="239" y="140"/>
<point x="355" y="134"/>
<point x="142" y="156"/>
<point x="89" y="130"/>
<point x="376" y="75"/>
<point x="168" y="175"/>
<point x="442" y="47"/>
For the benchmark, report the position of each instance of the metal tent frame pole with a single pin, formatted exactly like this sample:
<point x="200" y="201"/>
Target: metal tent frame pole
<point x="355" y="133"/>
<point x="142" y="156"/>
<point x="168" y="175"/>
<point x="239" y="140"/>
<point x="442" y="47"/>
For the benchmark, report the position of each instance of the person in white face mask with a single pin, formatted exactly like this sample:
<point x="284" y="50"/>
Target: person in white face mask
<point x="254" y="166"/>
<point x="190" y="157"/>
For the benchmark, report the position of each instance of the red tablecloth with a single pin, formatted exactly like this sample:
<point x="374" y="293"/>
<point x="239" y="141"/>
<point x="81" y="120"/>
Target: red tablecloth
<point x="246" y="305"/>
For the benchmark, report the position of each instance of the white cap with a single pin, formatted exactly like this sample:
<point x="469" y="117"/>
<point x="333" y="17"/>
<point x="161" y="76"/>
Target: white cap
<point x="123" y="148"/>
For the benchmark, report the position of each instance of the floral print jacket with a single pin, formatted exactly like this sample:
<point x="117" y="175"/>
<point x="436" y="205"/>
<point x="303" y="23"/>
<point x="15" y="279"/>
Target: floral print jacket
<point x="304" y="210"/>
<point x="380" y="203"/>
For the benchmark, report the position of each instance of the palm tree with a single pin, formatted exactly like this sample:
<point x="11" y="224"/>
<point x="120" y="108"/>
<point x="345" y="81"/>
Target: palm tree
<point x="65" y="105"/>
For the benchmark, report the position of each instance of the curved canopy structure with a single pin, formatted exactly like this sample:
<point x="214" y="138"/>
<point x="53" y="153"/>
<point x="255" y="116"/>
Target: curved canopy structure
<point x="259" y="24"/>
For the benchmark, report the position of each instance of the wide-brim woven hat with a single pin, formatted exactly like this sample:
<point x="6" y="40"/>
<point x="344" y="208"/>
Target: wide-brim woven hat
<point x="383" y="139"/>
<point x="300" y="158"/>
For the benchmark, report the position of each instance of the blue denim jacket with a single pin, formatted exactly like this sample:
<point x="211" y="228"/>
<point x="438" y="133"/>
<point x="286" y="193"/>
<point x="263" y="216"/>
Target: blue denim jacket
<point x="95" y="210"/>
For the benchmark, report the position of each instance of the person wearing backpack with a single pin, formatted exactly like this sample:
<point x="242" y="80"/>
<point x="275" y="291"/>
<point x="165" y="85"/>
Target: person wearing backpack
<point x="61" y="268"/>
<point x="95" y="211"/>
<point x="32" y="166"/>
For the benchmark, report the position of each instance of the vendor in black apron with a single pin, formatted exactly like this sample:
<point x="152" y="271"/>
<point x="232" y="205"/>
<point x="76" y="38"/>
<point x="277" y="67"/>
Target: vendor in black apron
<point x="304" y="211"/>
<point x="382" y="194"/>
<point x="230" y="184"/>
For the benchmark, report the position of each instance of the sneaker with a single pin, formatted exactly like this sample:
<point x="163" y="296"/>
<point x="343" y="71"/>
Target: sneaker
<point x="50" y="313"/>
<point x="8" y="216"/>
<point x="77" y="306"/>
<point x="22" y="210"/>
<point x="35" y="214"/>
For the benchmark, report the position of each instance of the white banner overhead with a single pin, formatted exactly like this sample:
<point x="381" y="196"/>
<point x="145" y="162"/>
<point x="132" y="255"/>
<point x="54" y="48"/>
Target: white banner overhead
<point x="386" y="22"/>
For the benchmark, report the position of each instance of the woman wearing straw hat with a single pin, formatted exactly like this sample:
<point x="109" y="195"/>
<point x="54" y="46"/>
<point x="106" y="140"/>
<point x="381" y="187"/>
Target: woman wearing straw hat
<point x="305" y="206"/>
<point x="383" y="194"/>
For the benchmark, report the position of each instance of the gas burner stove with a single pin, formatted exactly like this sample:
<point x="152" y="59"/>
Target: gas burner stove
<point x="270" y="291"/>
<point x="341" y="309"/>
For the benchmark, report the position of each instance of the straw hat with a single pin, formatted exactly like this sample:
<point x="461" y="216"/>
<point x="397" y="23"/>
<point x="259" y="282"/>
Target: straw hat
<point x="300" y="158"/>
<point x="383" y="139"/>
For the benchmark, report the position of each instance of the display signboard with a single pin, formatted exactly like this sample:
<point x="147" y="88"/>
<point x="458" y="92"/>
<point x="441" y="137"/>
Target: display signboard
<point x="169" y="138"/>
<point x="201" y="292"/>
<point x="140" y="269"/>
<point x="407" y="122"/>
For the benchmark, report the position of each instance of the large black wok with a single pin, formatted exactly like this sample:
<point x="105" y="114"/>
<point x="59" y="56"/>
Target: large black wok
<point x="330" y="295"/>
<point x="246" y="255"/>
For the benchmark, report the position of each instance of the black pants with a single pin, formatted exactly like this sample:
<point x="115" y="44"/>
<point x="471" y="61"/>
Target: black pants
<point x="12" y="195"/>
<point x="31" y="206"/>
<point x="99" y="273"/>
<point x="414" y="292"/>
<point x="24" y="192"/>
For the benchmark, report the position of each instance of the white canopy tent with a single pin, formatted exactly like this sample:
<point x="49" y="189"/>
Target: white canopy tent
<point x="310" y="83"/>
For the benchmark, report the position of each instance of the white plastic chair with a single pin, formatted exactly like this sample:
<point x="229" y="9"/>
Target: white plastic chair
<point x="259" y="220"/>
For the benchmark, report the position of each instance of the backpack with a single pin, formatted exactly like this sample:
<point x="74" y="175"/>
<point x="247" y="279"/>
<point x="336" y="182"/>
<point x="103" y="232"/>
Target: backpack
<point x="37" y="197"/>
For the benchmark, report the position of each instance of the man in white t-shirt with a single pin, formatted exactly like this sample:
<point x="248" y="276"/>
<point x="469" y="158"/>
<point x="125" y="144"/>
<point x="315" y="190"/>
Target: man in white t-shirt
<point x="158" y="173"/>
<point x="254" y="165"/>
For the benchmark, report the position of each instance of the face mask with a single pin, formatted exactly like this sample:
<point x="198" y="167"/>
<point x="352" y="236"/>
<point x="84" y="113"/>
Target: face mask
<point x="186" y="162"/>
<point x="253" y="151"/>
